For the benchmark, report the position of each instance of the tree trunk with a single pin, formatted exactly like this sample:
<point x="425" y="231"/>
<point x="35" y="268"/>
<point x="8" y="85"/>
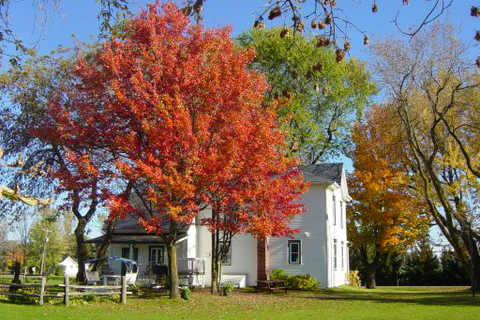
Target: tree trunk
<point x="173" y="270"/>
<point x="474" y="269"/>
<point x="215" y="275"/>
<point x="370" y="272"/>
<point x="81" y="249"/>
<point x="214" y="289"/>
<point x="102" y="250"/>
<point x="16" y="277"/>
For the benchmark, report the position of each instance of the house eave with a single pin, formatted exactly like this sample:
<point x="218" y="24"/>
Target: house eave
<point x="135" y="239"/>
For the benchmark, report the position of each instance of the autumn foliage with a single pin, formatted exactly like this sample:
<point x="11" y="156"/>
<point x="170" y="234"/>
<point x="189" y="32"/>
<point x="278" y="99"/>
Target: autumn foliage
<point x="180" y="116"/>
<point x="386" y="215"/>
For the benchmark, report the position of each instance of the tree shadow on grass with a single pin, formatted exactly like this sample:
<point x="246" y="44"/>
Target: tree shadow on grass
<point x="446" y="298"/>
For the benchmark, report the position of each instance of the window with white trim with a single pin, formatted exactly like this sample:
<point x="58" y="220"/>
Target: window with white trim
<point x="343" y="255"/>
<point x="156" y="256"/>
<point x="227" y="259"/>
<point x="335" y="253"/>
<point x="334" y="210"/>
<point x="341" y="214"/>
<point x="294" y="251"/>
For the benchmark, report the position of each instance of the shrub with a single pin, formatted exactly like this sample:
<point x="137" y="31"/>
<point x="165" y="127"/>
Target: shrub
<point x="304" y="283"/>
<point x="81" y="301"/>
<point x="24" y="299"/>
<point x="185" y="293"/>
<point x="353" y="278"/>
<point x="228" y="289"/>
<point x="90" y="299"/>
<point x="297" y="282"/>
<point x="278" y="274"/>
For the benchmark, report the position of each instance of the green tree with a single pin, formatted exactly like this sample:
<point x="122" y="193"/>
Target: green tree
<point x="423" y="267"/>
<point x="322" y="97"/>
<point x="453" y="272"/>
<point x="46" y="231"/>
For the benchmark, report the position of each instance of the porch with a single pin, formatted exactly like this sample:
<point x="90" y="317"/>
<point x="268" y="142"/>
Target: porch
<point x="150" y="252"/>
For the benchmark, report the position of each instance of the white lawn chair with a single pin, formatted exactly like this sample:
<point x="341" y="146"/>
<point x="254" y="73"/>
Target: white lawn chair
<point x="93" y="277"/>
<point x="131" y="278"/>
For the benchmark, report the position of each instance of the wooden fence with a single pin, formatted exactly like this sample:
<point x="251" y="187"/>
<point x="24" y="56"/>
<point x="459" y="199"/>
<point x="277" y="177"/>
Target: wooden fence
<point x="65" y="290"/>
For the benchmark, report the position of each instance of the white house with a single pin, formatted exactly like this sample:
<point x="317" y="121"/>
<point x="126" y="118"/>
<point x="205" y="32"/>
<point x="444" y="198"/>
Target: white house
<point x="70" y="267"/>
<point x="319" y="249"/>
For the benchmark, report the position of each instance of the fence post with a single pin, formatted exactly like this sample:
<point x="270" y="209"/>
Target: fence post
<point x="42" y="290"/>
<point x="124" y="290"/>
<point x="66" y="296"/>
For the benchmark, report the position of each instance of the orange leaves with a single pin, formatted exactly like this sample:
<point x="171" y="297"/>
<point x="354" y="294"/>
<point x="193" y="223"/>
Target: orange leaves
<point x="182" y="114"/>
<point x="386" y="211"/>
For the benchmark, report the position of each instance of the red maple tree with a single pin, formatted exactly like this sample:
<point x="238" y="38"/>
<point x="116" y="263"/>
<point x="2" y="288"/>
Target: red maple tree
<point x="83" y="174"/>
<point x="181" y="115"/>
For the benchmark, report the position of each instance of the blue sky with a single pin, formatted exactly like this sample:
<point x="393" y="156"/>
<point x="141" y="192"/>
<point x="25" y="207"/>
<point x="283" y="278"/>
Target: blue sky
<point x="79" y="18"/>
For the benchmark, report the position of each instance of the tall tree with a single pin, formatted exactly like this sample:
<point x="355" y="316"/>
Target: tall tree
<point x="324" y="96"/>
<point x="21" y="227"/>
<point x="453" y="271"/>
<point x="171" y="101"/>
<point x="258" y="195"/>
<point x="78" y="175"/>
<point x="433" y="87"/>
<point x="386" y="214"/>
<point x="46" y="243"/>
<point x="422" y="266"/>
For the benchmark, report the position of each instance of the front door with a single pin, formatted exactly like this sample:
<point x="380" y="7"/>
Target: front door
<point x="126" y="255"/>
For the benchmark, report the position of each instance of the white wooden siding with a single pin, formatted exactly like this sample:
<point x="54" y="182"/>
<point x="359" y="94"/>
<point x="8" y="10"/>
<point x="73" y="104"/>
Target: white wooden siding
<point x="316" y="235"/>
<point x="313" y="239"/>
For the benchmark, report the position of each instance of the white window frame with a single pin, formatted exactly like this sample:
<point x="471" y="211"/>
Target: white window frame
<point x="341" y="214"/>
<point x="290" y="252"/>
<point x="343" y="254"/>
<point x="335" y="254"/>
<point x="334" y="199"/>
<point x="160" y="259"/>
<point x="227" y="260"/>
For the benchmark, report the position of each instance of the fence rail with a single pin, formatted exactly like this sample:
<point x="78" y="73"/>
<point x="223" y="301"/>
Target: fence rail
<point x="68" y="290"/>
<point x="8" y="276"/>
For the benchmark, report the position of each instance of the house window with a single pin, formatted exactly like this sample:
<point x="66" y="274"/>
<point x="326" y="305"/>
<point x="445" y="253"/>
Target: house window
<point x="334" y="210"/>
<point x="227" y="259"/>
<point x="294" y="252"/>
<point x="335" y="253"/>
<point x="343" y="255"/>
<point x="341" y="214"/>
<point x="156" y="256"/>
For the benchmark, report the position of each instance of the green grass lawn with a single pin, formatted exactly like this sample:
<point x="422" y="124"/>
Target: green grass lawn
<point x="340" y="303"/>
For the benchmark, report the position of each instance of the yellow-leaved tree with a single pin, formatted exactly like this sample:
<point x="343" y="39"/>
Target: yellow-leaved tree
<point x="386" y="215"/>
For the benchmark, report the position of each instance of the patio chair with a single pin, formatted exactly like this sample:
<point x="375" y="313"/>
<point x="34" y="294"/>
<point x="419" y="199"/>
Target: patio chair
<point x="131" y="278"/>
<point x="161" y="274"/>
<point x="93" y="277"/>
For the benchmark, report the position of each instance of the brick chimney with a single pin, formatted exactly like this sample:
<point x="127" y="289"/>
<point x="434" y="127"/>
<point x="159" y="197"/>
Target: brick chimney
<point x="262" y="260"/>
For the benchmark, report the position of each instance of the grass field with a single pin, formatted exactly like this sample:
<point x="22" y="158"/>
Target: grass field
<point x="340" y="303"/>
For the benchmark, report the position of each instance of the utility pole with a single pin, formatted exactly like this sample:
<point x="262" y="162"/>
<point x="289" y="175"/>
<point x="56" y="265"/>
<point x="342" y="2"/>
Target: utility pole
<point x="42" y="266"/>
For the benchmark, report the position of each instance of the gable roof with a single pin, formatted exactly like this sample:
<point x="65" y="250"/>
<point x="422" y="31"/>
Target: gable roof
<point x="323" y="173"/>
<point x="67" y="260"/>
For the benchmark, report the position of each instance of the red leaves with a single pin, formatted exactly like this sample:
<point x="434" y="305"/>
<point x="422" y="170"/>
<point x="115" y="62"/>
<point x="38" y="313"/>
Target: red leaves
<point x="182" y="114"/>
